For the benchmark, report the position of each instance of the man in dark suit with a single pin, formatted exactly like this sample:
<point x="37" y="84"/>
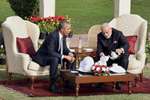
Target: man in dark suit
<point x="54" y="51"/>
<point x="110" y="40"/>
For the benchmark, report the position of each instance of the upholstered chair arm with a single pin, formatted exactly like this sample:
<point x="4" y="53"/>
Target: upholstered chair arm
<point x="23" y="60"/>
<point x="142" y="40"/>
<point x="136" y="62"/>
<point x="140" y="56"/>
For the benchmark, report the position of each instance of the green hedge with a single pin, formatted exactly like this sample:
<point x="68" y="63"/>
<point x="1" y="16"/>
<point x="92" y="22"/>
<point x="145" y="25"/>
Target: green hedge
<point x="24" y="8"/>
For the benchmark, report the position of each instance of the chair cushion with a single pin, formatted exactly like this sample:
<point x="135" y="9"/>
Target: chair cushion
<point x="132" y="42"/>
<point x="25" y="45"/>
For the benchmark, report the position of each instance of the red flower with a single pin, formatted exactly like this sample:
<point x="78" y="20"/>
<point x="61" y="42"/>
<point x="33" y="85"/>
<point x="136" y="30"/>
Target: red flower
<point x="100" y="69"/>
<point x="47" y="24"/>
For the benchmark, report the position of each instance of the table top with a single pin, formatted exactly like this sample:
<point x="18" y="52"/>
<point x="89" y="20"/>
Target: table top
<point x="95" y="79"/>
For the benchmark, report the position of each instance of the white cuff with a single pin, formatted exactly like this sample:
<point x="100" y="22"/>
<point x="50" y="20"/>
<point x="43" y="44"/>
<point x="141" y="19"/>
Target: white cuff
<point x="62" y="57"/>
<point x="102" y="54"/>
<point x="122" y="50"/>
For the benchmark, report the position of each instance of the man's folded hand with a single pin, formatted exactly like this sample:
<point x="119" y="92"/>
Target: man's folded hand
<point x="119" y="51"/>
<point x="69" y="58"/>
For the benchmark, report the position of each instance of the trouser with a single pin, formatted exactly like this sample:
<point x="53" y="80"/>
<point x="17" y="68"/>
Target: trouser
<point x="122" y="61"/>
<point x="54" y="61"/>
<point x="69" y="65"/>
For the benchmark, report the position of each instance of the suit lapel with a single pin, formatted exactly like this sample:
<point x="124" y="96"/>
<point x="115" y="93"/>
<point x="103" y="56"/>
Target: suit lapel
<point x="57" y="40"/>
<point x="109" y="44"/>
<point x="114" y="41"/>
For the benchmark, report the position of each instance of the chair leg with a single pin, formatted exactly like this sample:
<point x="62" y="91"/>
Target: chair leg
<point x="141" y="77"/>
<point x="138" y="78"/>
<point x="32" y="82"/>
<point x="9" y="76"/>
<point x="8" y="73"/>
<point x="135" y="81"/>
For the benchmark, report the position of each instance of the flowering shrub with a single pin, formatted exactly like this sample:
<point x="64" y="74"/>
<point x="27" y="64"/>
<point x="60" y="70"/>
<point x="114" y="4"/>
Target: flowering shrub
<point x="100" y="70"/>
<point x="47" y="24"/>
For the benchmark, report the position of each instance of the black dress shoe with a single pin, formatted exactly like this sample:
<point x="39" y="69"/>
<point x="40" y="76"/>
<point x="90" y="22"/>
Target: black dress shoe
<point x="118" y="86"/>
<point x="54" y="89"/>
<point x="68" y="85"/>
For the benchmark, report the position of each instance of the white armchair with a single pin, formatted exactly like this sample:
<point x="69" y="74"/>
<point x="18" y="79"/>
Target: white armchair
<point x="92" y="36"/>
<point x="134" y="25"/>
<point x="21" y="63"/>
<point x="129" y="25"/>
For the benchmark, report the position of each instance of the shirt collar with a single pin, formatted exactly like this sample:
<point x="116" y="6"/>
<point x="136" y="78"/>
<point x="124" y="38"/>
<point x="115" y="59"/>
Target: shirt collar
<point x="60" y="35"/>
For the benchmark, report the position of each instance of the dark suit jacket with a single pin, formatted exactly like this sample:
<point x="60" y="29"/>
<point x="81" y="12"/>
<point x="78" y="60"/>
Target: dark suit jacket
<point x="117" y="40"/>
<point x="49" y="49"/>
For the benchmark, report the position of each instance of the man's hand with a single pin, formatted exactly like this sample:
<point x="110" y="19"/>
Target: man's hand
<point x="71" y="54"/>
<point x="73" y="59"/>
<point x="102" y="54"/>
<point x="69" y="58"/>
<point x="119" y="51"/>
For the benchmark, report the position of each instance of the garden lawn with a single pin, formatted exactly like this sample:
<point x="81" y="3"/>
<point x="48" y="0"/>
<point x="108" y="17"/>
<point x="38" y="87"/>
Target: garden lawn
<point x="5" y="10"/>
<point x="142" y="8"/>
<point x="85" y="13"/>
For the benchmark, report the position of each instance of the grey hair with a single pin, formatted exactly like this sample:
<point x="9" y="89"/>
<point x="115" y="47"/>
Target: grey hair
<point x="104" y="25"/>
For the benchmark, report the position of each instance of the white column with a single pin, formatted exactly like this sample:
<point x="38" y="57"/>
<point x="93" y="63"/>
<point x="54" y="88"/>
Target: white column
<point x="47" y="8"/>
<point x="122" y="7"/>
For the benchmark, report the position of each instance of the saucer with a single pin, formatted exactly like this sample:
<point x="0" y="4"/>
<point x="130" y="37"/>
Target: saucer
<point x="88" y="49"/>
<point x="72" y="50"/>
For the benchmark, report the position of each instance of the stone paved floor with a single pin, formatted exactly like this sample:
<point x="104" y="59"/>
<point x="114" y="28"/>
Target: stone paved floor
<point x="74" y="41"/>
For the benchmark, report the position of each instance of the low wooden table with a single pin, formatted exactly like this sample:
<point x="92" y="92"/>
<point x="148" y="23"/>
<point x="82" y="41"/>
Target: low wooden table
<point x="86" y="79"/>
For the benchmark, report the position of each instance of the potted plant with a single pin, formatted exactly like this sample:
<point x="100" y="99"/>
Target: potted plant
<point x="47" y="24"/>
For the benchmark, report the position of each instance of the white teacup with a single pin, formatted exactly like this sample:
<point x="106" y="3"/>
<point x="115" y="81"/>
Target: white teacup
<point x="114" y="65"/>
<point x="114" y="55"/>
